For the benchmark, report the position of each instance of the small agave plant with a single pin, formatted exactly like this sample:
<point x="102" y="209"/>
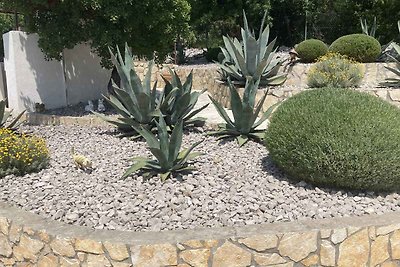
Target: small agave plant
<point x="177" y="101"/>
<point x="245" y="114"/>
<point x="251" y="57"/>
<point x="166" y="149"/>
<point x="393" y="82"/>
<point x="6" y="115"/>
<point x="366" y="29"/>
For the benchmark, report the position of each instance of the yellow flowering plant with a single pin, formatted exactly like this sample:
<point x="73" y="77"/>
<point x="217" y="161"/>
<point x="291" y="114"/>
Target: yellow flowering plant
<point x="335" y="70"/>
<point x="21" y="153"/>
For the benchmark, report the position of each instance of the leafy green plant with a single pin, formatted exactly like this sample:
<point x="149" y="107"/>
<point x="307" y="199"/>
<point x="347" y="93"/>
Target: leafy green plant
<point x="310" y="50"/>
<point x="6" y="115"/>
<point x="360" y="47"/>
<point x="21" y="154"/>
<point x="135" y="102"/>
<point x="337" y="137"/>
<point x="245" y="114"/>
<point x="394" y="82"/>
<point x="251" y="57"/>
<point x="177" y="101"/>
<point x="166" y="150"/>
<point x="335" y="70"/>
<point x="365" y="28"/>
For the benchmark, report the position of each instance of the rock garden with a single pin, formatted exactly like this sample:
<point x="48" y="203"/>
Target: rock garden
<point x="325" y="153"/>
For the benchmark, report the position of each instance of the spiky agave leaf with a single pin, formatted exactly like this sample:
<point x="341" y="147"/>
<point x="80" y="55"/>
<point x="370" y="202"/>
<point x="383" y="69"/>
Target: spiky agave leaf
<point x="6" y="115"/>
<point x="393" y="82"/>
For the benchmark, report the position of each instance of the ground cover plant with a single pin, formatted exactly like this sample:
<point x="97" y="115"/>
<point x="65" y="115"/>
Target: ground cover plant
<point x="360" y="47"/>
<point x="5" y="117"/>
<point x="335" y="70"/>
<point x="310" y="50"/>
<point x="251" y="57"/>
<point x="332" y="137"/>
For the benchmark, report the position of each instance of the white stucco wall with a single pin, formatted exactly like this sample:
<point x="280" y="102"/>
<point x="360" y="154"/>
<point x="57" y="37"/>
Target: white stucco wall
<point x="30" y="78"/>
<point x="85" y="78"/>
<point x="3" y="85"/>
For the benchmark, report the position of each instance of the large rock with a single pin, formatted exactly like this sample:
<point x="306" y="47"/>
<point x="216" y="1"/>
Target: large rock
<point x="89" y="246"/>
<point x="28" y="249"/>
<point x="62" y="247"/>
<point x="354" y="251"/>
<point x="379" y="250"/>
<point x="154" y="255"/>
<point x="260" y="243"/>
<point x="297" y="246"/>
<point x="196" y="257"/>
<point x="118" y="252"/>
<point x="5" y="247"/>
<point x="230" y="255"/>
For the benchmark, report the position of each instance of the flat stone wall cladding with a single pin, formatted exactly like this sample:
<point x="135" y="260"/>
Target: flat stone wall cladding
<point x="27" y="240"/>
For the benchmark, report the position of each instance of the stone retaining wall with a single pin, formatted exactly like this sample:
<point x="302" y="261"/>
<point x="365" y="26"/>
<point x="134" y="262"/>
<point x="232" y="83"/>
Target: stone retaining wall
<point x="205" y="77"/>
<point x="28" y="240"/>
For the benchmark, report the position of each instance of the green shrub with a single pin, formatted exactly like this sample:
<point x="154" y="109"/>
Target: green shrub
<point x="360" y="47"/>
<point x="212" y="54"/>
<point x="335" y="70"/>
<point x="339" y="138"/>
<point x="21" y="154"/>
<point x="310" y="50"/>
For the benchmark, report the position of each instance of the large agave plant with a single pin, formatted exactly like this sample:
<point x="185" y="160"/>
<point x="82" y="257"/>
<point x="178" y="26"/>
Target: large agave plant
<point x="177" y="101"/>
<point x="251" y="57"/>
<point x="166" y="150"/>
<point x="245" y="114"/>
<point x="135" y="102"/>
<point x="393" y="82"/>
<point x="6" y="115"/>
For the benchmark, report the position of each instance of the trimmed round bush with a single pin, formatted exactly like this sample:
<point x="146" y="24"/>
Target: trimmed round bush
<point x="21" y="154"/>
<point x="339" y="138"/>
<point x="360" y="47"/>
<point x="310" y="50"/>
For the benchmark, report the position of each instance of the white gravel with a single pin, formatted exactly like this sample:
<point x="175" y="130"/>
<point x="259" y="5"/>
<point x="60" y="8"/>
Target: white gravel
<point x="232" y="186"/>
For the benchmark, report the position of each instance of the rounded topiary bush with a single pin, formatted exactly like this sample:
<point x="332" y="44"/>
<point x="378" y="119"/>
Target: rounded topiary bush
<point x="360" y="47"/>
<point x="310" y="50"/>
<point x="339" y="138"/>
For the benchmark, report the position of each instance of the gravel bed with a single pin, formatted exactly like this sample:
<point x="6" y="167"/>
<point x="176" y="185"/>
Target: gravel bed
<point x="232" y="186"/>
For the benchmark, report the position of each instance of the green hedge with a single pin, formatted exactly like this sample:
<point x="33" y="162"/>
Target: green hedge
<point x="310" y="50"/>
<point x="360" y="47"/>
<point x="339" y="138"/>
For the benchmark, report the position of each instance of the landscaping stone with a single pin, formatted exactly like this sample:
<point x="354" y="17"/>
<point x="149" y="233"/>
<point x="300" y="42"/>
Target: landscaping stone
<point x="5" y="247"/>
<point x="268" y="259"/>
<point x="230" y="255"/>
<point x="354" y="251"/>
<point x="62" y="247"/>
<point x="118" y="252"/>
<point x="379" y="250"/>
<point x="260" y="243"/>
<point x="4" y="225"/>
<point x="395" y="245"/>
<point x="297" y="246"/>
<point x="65" y="262"/>
<point x="89" y="246"/>
<point x="327" y="254"/>
<point x="28" y="249"/>
<point x="154" y="255"/>
<point x="196" y="257"/>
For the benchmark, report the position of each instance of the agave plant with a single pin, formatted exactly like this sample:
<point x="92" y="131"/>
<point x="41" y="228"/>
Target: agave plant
<point x="177" y="101"/>
<point x="6" y="115"/>
<point x="166" y="150"/>
<point x="251" y="57"/>
<point x="135" y="102"/>
<point x="245" y="114"/>
<point x="393" y="82"/>
<point x="365" y="28"/>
